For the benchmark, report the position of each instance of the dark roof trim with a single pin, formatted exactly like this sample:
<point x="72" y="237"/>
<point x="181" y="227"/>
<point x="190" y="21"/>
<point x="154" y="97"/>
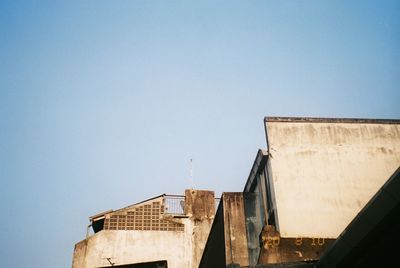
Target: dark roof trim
<point x="330" y="120"/>
<point x="259" y="161"/>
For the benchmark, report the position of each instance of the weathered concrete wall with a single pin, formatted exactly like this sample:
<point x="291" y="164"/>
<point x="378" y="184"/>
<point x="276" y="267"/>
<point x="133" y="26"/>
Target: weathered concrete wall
<point x="323" y="173"/>
<point x="124" y="247"/>
<point x="276" y="249"/>
<point x="236" y="250"/>
<point x="200" y="208"/>
<point x="79" y="257"/>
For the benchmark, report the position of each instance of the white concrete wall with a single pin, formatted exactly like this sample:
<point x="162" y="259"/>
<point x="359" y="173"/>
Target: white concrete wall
<point x="125" y="247"/>
<point x="324" y="173"/>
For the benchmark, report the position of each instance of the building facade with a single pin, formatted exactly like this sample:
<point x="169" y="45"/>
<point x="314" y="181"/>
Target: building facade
<point x="325" y="192"/>
<point x="165" y="231"/>
<point x="304" y="189"/>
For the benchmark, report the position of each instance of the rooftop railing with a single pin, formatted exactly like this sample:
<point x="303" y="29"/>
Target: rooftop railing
<point x="175" y="204"/>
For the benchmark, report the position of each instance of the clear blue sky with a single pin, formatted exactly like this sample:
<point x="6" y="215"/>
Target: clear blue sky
<point x="103" y="103"/>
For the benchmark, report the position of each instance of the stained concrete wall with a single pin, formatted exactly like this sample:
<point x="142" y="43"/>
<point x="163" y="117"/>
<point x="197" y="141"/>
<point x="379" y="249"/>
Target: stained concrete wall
<point x="324" y="172"/>
<point x="125" y="247"/>
<point x="227" y="242"/>
<point x="236" y="251"/>
<point x="200" y="208"/>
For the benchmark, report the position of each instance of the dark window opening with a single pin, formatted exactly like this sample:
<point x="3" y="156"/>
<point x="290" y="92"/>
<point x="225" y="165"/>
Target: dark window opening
<point x="98" y="225"/>
<point x="270" y="205"/>
<point x="155" y="264"/>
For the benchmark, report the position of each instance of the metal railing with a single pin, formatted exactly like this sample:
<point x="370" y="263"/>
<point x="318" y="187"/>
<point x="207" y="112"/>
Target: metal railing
<point x="174" y="204"/>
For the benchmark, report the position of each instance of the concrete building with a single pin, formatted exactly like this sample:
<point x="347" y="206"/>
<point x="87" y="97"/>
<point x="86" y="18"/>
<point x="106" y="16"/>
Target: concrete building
<point x="165" y="231"/>
<point x="315" y="176"/>
<point x="324" y="193"/>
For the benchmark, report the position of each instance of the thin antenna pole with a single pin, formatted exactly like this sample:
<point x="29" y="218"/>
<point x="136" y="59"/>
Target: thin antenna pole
<point x="191" y="173"/>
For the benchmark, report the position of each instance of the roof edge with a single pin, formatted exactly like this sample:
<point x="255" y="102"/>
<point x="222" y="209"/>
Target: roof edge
<point x="98" y="215"/>
<point x="260" y="157"/>
<point x="330" y="120"/>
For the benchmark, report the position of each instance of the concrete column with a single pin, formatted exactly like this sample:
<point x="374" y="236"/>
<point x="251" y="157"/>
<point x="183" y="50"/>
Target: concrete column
<point x="200" y="208"/>
<point x="236" y="250"/>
